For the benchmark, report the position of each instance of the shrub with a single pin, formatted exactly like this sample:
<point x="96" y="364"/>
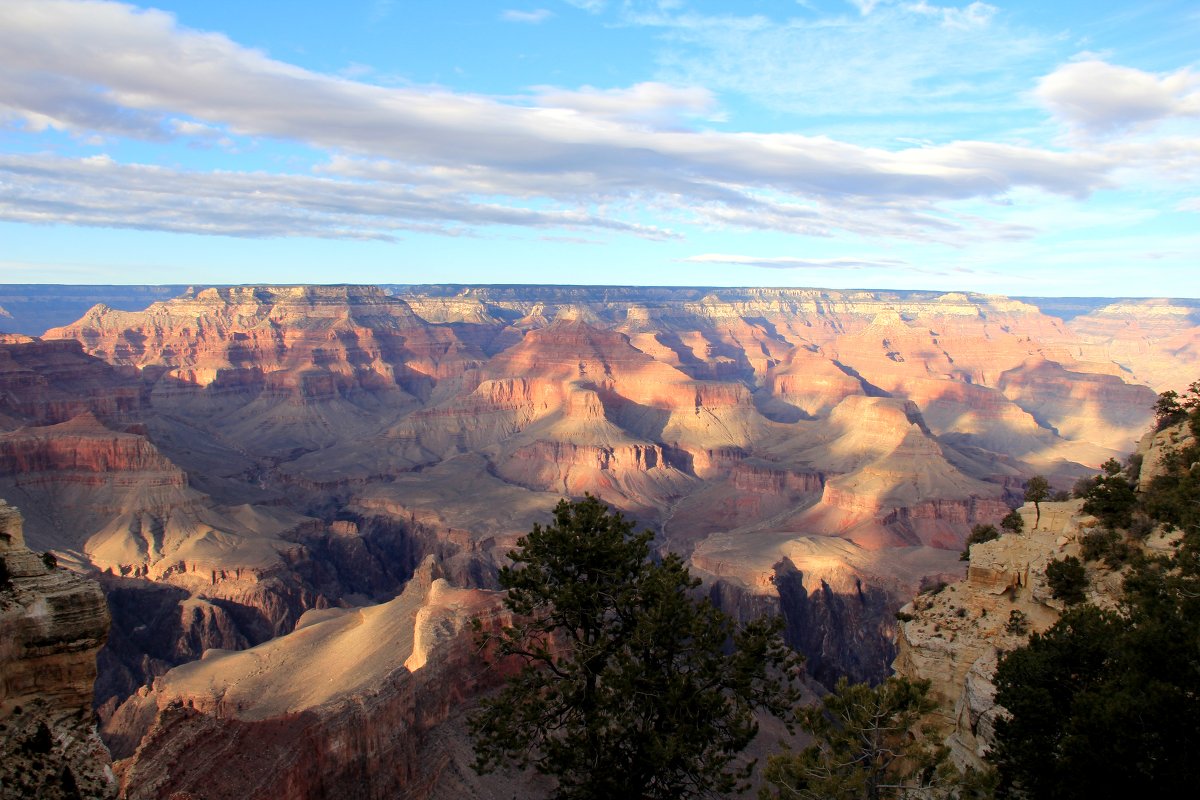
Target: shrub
<point x="1012" y="522"/>
<point x="1141" y="527"/>
<point x="1111" y="499"/>
<point x="1097" y="544"/>
<point x="1068" y="580"/>
<point x="631" y="685"/>
<point x="932" y="589"/>
<point x="1017" y="623"/>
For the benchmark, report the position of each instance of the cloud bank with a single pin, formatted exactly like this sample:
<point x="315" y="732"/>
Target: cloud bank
<point x="432" y="160"/>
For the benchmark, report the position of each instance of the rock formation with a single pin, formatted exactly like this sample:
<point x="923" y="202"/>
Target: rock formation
<point x="954" y="635"/>
<point x="52" y="624"/>
<point x="235" y="457"/>
<point x="341" y="707"/>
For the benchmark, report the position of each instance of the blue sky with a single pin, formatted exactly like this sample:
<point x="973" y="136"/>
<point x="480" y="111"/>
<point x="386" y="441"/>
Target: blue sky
<point x="1013" y="148"/>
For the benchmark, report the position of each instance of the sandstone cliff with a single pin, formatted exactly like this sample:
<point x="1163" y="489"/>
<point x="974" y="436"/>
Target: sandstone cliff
<point x="955" y="636"/>
<point x="237" y="456"/>
<point x="342" y="707"/>
<point x="52" y="624"/>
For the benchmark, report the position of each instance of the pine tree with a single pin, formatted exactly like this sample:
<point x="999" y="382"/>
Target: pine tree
<point x="868" y="746"/>
<point x="628" y="688"/>
<point x="1037" y="490"/>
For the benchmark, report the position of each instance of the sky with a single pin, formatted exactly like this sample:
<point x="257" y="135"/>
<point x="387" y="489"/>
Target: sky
<point x="1020" y="148"/>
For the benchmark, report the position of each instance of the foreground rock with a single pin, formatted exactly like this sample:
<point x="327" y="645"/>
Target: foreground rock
<point x="52" y="624"/>
<point x="342" y="707"/>
<point x="955" y="636"/>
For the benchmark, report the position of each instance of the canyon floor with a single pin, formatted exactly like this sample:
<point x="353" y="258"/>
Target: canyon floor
<point x="272" y="474"/>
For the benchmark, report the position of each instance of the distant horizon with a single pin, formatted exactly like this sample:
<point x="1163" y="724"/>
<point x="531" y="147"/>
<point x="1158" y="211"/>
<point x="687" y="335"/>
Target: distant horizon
<point x="1002" y="147"/>
<point x="184" y="285"/>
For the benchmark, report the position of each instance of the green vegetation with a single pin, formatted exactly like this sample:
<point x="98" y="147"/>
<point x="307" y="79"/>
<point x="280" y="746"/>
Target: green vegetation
<point x="1068" y="580"/>
<point x="1171" y="409"/>
<point x="1037" y="490"/>
<point x="978" y="535"/>
<point x="1106" y="703"/>
<point x="866" y="745"/>
<point x="1012" y="522"/>
<point x="1018" y="623"/>
<point x="628" y="688"/>
<point x="1111" y="497"/>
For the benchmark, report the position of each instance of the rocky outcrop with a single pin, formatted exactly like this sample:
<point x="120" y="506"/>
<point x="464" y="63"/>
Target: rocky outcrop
<point x="341" y="707"/>
<point x="52" y="624"/>
<point x="1155" y="340"/>
<point x="953" y="636"/>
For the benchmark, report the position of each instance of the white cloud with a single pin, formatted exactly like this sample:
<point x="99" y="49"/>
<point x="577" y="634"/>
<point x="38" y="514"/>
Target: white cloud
<point x="591" y="6"/>
<point x="1097" y="97"/>
<point x="418" y="157"/>
<point x="100" y="192"/>
<point x="864" y="7"/>
<point x="656" y="104"/>
<point x="976" y="15"/>
<point x="535" y="17"/>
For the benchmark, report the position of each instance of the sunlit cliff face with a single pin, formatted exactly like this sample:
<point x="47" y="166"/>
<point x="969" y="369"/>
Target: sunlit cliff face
<point x="235" y="458"/>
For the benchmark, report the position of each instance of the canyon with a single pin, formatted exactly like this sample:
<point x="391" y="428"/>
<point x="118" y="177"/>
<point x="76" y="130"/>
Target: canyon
<point x="259" y="477"/>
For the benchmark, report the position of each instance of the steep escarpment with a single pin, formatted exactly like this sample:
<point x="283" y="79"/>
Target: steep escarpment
<point x="286" y="367"/>
<point x="854" y="435"/>
<point x="341" y="707"/>
<point x="47" y="382"/>
<point x="52" y="624"/>
<point x="734" y="421"/>
<point x="954" y="637"/>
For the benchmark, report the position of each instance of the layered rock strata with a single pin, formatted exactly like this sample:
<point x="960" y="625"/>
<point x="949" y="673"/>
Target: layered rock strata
<point x="833" y="429"/>
<point x="341" y="707"/>
<point x="52" y="625"/>
<point x="955" y="636"/>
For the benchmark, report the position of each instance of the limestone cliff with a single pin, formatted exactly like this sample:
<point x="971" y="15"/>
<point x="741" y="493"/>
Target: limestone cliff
<point x="855" y="435"/>
<point x="342" y="707"/>
<point x="52" y="624"/>
<point x="954" y="636"/>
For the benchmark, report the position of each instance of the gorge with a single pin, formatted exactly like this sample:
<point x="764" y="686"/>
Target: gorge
<point x="262" y="477"/>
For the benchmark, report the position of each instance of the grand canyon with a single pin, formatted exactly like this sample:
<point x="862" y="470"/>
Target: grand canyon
<point x="295" y="499"/>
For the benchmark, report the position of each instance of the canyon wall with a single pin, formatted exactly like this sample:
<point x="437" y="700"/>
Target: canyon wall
<point x="232" y="460"/>
<point x="345" y="710"/>
<point x="52" y="624"/>
<point x="955" y="636"/>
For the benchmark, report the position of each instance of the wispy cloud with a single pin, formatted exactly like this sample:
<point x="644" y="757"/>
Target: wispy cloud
<point x="414" y="158"/>
<point x="100" y="192"/>
<point x="891" y="58"/>
<point x="535" y="17"/>
<point x="789" y="262"/>
<point x="591" y="6"/>
<point x="657" y="104"/>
